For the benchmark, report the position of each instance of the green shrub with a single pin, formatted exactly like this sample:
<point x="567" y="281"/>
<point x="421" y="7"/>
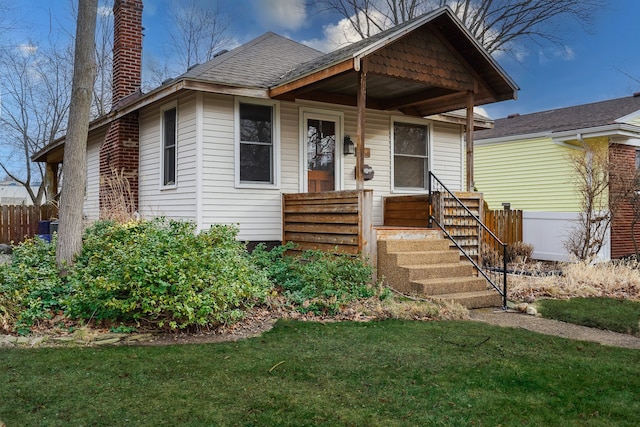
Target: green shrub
<point x="160" y="272"/>
<point x="316" y="281"/>
<point x="30" y="287"/>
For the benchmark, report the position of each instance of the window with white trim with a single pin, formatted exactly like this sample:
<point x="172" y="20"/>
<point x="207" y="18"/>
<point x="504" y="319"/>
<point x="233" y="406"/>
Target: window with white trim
<point x="410" y="156"/>
<point x="169" y="146"/>
<point x="257" y="138"/>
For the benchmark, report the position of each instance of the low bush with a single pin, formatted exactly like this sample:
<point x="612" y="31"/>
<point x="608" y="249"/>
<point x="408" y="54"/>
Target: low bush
<point x="30" y="287"/>
<point x="316" y="281"/>
<point x="519" y="251"/>
<point x="161" y="273"/>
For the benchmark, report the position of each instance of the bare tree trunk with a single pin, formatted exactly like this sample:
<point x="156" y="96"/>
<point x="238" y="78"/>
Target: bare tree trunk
<point x="75" y="148"/>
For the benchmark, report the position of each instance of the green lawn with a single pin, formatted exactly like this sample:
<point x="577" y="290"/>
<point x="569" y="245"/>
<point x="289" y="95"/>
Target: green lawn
<point x="618" y="315"/>
<point x="389" y="373"/>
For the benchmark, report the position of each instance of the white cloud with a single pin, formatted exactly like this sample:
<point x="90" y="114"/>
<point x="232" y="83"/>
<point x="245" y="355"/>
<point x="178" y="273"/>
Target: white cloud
<point x="28" y="49"/>
<point x="282" y="14"/>
<point x="482" y="111"/>
<point x="564" y="53"/>
<point x="105" y="11"/>
<point x="335" y="36"/>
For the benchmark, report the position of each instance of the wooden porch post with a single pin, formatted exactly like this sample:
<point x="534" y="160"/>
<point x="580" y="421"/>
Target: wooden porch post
<point x="362" y="105"/>
<point x="51" y="181"/>
<point x="469" y="137"/>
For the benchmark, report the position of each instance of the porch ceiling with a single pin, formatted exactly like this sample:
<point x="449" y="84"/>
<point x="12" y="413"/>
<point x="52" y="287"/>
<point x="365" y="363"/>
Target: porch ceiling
<point x="385" y="92"/>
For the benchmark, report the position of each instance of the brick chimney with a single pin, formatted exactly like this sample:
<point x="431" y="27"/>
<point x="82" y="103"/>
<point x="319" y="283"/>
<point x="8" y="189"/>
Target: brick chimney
<point x="127" y="49"/>
<point x="120" y="149"/>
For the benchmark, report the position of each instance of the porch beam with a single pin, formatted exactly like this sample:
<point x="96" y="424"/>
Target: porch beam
<point x="469" y="140"/>
<point x="360" y="130"/>
<point x="51" y="181"/>
<point x="312" y="78"/>
<point x="416" y="99"/>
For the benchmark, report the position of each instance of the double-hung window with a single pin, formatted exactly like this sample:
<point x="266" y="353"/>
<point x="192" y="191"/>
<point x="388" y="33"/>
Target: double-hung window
<point x="169" y="145"/>
<point x="257" y="138"/>
<point x="410" y="156"/>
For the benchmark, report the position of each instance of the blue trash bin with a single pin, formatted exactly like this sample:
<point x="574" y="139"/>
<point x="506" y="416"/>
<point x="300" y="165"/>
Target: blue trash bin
<point x="44" y="227"/>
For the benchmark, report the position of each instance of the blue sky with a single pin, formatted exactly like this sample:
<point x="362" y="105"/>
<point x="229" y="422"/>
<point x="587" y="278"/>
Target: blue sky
<point x="591" y="67"/>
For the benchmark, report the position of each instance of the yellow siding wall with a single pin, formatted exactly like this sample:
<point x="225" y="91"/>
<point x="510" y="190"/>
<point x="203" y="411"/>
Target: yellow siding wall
<point x="532" y="175"/>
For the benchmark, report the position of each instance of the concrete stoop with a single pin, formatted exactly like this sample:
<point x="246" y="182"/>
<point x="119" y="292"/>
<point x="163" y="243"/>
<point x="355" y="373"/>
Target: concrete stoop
<point x="423" y="264"/>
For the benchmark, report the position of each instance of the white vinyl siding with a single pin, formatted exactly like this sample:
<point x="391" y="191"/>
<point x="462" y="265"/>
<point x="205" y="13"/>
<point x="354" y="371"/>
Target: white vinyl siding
<point x="257" y="209"/>
<point x="447" y="155"/>
<point x="92" y="197"/>
<point x="177" y="202"/>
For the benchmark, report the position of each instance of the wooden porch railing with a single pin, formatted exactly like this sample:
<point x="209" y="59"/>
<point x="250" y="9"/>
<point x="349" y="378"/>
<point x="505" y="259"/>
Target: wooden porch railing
<point x="336" y="220"/>
<point x="19" y="222"/>
<point x="406" y="211"/>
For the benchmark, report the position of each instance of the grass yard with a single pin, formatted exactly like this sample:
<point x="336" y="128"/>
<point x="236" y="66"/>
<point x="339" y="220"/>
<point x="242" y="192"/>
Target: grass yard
<point x="618" y="315"/>
<point x="388" y="373"/>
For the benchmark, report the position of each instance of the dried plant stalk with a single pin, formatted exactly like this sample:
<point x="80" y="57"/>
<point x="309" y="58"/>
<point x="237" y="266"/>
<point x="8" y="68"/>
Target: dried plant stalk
<point x="117" y="201"/>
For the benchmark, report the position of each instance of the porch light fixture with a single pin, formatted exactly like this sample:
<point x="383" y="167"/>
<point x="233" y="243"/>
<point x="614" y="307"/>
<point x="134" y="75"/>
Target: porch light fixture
<point x="348" y="147"/>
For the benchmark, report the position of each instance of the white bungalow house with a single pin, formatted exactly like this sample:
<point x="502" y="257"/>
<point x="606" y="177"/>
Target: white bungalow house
<point x="223" y="142"/>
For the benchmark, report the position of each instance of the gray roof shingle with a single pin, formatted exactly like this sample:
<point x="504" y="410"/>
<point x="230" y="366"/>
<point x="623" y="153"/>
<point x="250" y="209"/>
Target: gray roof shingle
<point x="563" y="119"/>
<point x="254" y="64"/>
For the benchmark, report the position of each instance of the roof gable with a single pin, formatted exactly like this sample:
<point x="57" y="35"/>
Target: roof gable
<point x="421" y="67"/>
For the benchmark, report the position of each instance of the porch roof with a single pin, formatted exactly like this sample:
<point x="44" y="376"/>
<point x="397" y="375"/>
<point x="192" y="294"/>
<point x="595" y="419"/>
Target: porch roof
<point x="422" y="67"/>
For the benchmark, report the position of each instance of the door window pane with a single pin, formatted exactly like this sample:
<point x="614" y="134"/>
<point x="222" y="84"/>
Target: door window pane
<point x="321" y="149"/>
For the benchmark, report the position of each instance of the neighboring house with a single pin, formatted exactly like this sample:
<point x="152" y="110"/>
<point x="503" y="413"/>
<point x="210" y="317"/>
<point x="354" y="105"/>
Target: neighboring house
<point x="14" y="193"/>
<point x="524" y="161"/>
<point x="223" y="142"/>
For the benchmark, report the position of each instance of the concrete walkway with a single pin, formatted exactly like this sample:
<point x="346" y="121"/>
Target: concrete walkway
<point x="515" y="319"/>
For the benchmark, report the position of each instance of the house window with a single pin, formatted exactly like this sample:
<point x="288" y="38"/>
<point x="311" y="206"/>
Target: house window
<point x="410" y="156"/>
<point x="256" y="163"/>
<point x="637" y="159"/>
<point x="169" y="140"/>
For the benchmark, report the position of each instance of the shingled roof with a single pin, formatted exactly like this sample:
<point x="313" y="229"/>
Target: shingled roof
<point x="256" y="64"/>
<point x="558" y="120"/>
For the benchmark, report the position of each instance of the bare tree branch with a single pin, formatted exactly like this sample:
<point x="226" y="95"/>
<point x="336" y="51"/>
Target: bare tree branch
<point x="498" y="24"/>
<point x="35" y="106"/>
<point x="197" y="32"/>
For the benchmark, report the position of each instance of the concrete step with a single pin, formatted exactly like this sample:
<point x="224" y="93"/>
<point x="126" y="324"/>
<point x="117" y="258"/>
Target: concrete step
<point x="422" y="257"/>
<point x="403" y="275"/>
<point x="412" y="245"/>
<point x="435" y="287"/>
<point x="439" y="271"/>
<point x="479" y="299"/>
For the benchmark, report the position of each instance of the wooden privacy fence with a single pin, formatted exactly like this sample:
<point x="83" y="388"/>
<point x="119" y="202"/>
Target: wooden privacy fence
<point x="330" y="220"/>
<point x="20" y="221"/>
<point x="505" y="224"/>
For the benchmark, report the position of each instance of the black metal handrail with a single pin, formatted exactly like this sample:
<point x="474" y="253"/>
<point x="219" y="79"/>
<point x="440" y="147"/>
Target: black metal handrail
<point x="483" y="249"/>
